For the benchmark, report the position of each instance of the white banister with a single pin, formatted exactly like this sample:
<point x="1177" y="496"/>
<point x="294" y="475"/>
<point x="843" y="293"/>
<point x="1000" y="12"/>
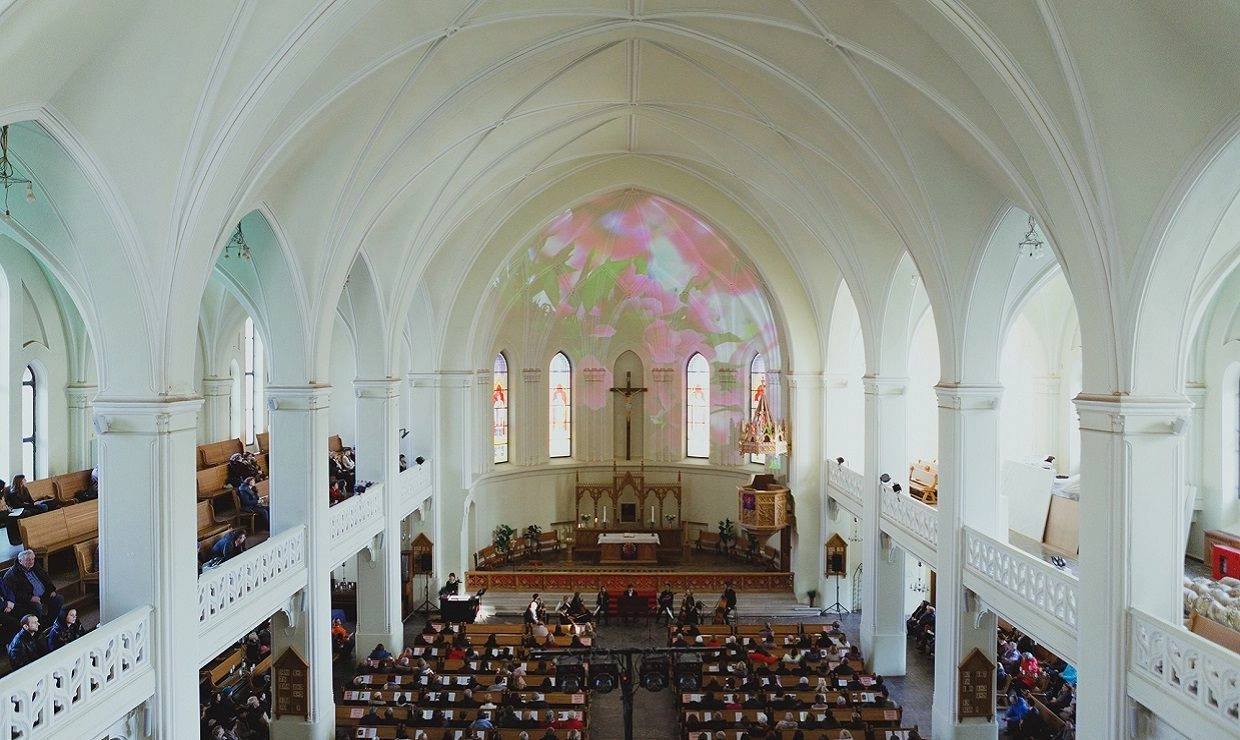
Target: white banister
<point x="413" y="488"/>
<point x="225" y="587"/>
<point x="914" y="519"/>
<point x="93" y="680"/>
<point x="1183" y="677"/>
<point x="1010" y="580"/>
<point x="355" y="520"/>
<point x="847" y="485"/>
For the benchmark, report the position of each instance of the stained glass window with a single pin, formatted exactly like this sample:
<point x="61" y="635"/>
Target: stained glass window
<point x="757" y="389"/>
<point x="697" y="407"/>
<point x="560" y="418"/>
<point x="499" y="406"/>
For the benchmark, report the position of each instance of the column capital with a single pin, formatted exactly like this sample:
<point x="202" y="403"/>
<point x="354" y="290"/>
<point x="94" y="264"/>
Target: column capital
<point x="216" y="386"/>
<point x="79" y="395"/>
<point x="442" y="379"/>
<point x="837" y="380"/>
<point x="309" y="397"/>
<point x="378" y="388"/>
<point x="882" y="385"/>
<point x="805" y="380"/>
<point x="146" y="416"/>
<point x="963" y="397"/>
<point x="1118" y="414"/>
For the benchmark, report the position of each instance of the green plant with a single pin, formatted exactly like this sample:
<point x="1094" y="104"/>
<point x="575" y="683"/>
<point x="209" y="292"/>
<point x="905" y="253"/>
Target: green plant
<point x="531" y="533"/>
<point x="812" y="594"/>
<point x="501" y="536"/>
<point x="727" y="530"/>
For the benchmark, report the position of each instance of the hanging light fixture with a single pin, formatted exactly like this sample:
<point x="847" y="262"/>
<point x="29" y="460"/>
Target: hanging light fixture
<point x="763" y="434"/>
<point x="8" y="175"/>
<point x="237" y="245"/>
<point x="1031" y="246"/>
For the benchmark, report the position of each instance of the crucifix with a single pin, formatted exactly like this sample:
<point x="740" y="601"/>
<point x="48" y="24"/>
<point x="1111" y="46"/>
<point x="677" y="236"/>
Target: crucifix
<point x="629" y="392"/>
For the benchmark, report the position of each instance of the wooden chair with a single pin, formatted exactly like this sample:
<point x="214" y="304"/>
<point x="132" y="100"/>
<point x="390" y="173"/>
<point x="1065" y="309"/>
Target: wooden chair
<point x="87" y="554"/>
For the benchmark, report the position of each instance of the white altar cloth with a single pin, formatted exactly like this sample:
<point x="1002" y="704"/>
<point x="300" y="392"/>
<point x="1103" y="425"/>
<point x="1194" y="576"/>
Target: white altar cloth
<point x="622" y="537"/>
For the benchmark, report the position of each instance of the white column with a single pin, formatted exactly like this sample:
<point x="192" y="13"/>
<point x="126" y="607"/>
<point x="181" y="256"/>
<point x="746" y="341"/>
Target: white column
<point x="1132" y="497"/>
<point x="217" y="407"/>
<point x="298" y="420"/>
<point x="804" y="469"/>
<point x="78" y="396"/>
<point x="147" y="455"/>
<point x="378" y="569"/>
<point x="882" y="575"/>
<point x="968" y="495"/>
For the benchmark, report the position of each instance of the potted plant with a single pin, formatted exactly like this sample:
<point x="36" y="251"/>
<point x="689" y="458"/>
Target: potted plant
<point x="812" y="594"/>
<point x="727" y="533"/>
<point x="501" y="537"/>
<point x="531" y="537"/>
<point x="753" y="543"/>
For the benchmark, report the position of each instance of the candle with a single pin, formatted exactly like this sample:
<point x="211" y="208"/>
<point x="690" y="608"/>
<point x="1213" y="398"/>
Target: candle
<point x="604" y="515"/>
<point x="652" y="513"/>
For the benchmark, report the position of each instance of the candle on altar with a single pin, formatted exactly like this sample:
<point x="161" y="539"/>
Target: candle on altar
<point x="652" y="513"/>
<point x="604" y="515"/>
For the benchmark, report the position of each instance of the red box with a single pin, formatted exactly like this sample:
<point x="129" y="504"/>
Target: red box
<point x="1225" y="561"/>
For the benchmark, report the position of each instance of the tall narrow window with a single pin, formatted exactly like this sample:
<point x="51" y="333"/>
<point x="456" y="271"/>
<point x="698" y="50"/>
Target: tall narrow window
<point x="697" y="407"/>
<point x="499" y="406"/>
<point x="29" y="423"/>
<point x="757" y="389"/>
<point x="252" y="386"/>
<point x="560" y="434"/>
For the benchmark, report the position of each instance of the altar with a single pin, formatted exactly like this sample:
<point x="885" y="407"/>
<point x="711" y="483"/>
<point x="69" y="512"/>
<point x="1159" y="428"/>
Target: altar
<point x="635" y="548"/>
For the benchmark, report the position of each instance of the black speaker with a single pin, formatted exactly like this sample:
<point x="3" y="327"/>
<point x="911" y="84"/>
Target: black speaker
<point x="424" y="563"/>
<point x="837" y="563"/>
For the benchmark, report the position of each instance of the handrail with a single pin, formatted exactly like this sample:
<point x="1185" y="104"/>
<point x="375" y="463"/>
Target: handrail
<point x="223" y="589"/>
<point x="1201" y="677"/>
<point x="1049" y="590"/>
<point x="354" y="511"/>
<point x="61" y="687"/>
<point x="911" y="515"/>
<point x="848" y="483"/>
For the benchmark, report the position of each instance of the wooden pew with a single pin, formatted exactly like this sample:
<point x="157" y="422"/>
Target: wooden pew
<point x="41" y="490"/>
<point x="86" y="554"/>
<point x="218" y="669"/>
<point x="334" y="444"/>
<point x="58" y="530"/>
<point x="207" y="525"/>
<point x="707" y="539"/>
<point x="923" y="482"/>
<point x="218" y="453"/>
<point x="69" y="485"/>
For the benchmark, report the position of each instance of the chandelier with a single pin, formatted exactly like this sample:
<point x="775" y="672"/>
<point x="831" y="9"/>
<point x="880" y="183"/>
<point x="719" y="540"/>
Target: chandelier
<point x="763" y="434"/>
<point x="920" y="587"/>
<point x="1031" y="246"/>
<point x="237" y="245"/>
<point x="8" y="175"/>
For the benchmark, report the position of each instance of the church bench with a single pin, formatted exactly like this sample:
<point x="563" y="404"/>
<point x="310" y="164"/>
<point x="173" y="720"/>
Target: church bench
<point x="707" y="539"/>
<point x="58" y="530"/>
<point x="204" y="546"/>
<point x="334" y="444"/>
<point x="41" y="489"/>
<point x="263" y="440"/>
<point x="770" y="556"/>
<point x="923" y="482"/>
<point x="219" y="668"/>
<point x="207" y="525"/>
<point x="86" y="554"/>
<point x="213" y="481"/>
<point x="218" y="453"/>
<point x="69" y="485"/>
<point x="1053" y="721"/>
<point x="549" y="541"/>
<point x="486" y="557"/>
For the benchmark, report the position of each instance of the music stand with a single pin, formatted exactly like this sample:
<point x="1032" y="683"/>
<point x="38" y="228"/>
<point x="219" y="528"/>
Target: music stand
<point x="837" y="608"/>
<point x="426" y="607"/>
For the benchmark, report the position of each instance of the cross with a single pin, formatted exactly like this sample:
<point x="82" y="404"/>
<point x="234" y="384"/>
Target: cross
<point x="628" y="391"/>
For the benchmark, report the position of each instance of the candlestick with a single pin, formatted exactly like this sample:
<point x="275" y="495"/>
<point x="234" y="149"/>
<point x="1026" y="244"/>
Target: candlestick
<point x="652" y="513"/>
<point x="604" y="515"/>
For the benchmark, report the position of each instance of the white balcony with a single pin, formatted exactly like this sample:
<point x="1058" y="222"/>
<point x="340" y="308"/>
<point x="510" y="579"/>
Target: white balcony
<point x="354" y="521"/>
<point x="413" y="488"/>
<point x="1033" y="593"/>
<point x="247" y="589"/>
<point x="84" y="687"/>
<point x="912" y="524"/>
<point x="1191" y="682"/>
<point x="845" y="486"/>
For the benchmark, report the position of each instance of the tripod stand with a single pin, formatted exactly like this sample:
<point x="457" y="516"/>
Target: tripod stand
<point x="426" y="607"/>
<point x="837" y="608"/>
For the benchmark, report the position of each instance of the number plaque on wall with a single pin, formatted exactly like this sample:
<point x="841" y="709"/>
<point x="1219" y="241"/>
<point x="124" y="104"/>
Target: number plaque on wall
<point x="837" y="556"/>
<point x="290" y="678"/>
<point x="975" y="679"/>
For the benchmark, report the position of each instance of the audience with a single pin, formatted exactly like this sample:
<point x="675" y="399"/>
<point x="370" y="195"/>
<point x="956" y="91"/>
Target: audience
<point x="25" y="647"/>
<point x="65" y="629"/>
<point x="30" y="589"/>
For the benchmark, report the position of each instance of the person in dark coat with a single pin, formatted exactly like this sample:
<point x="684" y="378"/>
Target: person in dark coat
<point x="32" y="591"/>
<point x="25" y="647"/>
<point x="65" y="629"/>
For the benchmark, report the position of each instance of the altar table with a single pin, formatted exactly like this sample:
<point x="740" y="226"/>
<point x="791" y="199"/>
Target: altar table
<point x="638" y="548"/>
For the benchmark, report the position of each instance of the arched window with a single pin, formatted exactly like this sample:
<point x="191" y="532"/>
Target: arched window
<point x="697" y="407"/>
<point x="499" y="406"/>
<point x="757" y="389"/>
<point x="560" y="418"/>
<point x="30" y="426"/>
<point x="255" y="417"/>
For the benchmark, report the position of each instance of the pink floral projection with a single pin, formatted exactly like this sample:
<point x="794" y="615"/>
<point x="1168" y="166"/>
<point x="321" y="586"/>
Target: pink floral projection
<point x="633" y="269"/>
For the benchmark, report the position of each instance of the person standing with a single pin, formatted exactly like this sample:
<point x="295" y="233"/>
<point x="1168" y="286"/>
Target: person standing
<point x="451" y="588"/>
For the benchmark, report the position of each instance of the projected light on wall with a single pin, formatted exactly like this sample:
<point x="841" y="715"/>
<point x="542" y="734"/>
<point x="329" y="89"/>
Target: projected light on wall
<point x="636" y="269"/>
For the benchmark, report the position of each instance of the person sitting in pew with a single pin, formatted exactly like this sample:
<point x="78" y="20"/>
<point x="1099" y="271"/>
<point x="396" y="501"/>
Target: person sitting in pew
<point x="30" y="589"/>
<point x="25" y="647"/>
<point x="252" y="503"/>
<point x="17" y="496"/>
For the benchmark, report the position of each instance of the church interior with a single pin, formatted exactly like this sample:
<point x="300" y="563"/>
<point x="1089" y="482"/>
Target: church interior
<point x="870" y="362"/>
